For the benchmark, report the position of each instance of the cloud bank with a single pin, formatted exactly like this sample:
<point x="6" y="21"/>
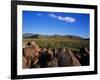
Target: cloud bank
<point x="66" y="18"/>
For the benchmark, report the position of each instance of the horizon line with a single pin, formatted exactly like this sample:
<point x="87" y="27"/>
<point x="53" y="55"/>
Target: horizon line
<point x="57" y="34"/>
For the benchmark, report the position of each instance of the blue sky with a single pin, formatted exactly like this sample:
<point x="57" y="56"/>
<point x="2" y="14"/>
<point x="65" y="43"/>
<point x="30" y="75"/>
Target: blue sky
<point x="50" y="23"/>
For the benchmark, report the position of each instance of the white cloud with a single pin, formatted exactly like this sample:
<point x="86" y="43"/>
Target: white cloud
<point x="60" y="18"/>
<point x="52" y="15"/>
<point x="66" y="18"/>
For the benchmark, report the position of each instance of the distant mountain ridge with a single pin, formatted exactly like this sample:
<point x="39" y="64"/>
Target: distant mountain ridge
<point x="31" y="35"/>
<point x="25" y="35"/>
